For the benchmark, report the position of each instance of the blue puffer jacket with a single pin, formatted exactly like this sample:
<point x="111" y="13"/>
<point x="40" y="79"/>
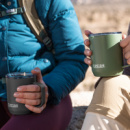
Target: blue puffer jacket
<point x="20" y="51"/>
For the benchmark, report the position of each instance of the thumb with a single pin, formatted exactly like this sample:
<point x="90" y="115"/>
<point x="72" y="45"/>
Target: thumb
<point x="123" y="36"/>
<point x="38" y="74"/>
<point x="125" y="41"/>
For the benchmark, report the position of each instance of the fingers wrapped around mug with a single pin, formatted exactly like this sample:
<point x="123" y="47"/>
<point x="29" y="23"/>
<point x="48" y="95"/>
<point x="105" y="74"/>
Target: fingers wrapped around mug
<point x="41" y="108"/>
<point x="87" y="42"/>
<point x="87" y="52"/>
<point x="87" y="33"/>
<point x="125" y="44"/>
<point x="88" y="61"/>
<point x="31" y="95"/>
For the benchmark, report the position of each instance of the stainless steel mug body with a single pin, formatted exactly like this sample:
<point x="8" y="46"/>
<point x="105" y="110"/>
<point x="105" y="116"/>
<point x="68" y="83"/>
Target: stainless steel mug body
<point x="107" y="57"/>
<point x="13" y="81"/>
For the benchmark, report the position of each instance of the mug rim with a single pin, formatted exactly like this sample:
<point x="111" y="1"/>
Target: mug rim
<point x="105" y="33"/>
<point x="19" y="75"/>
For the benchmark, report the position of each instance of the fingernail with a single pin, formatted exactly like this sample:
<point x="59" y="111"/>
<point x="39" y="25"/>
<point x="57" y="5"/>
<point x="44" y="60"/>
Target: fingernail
<point x="89" y="62"/>
<point x="19" y="89"/>
<point x="18" y="100"/>
<point x="26" y="105"/>
<point x="85" y="42"/>
<point x="88" y="52"/>
<point x="37" y="70"/>
<point x="16" y="94"/>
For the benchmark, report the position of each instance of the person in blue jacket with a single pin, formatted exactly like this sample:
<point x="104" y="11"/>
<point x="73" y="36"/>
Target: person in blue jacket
<point x="61" y="72"/>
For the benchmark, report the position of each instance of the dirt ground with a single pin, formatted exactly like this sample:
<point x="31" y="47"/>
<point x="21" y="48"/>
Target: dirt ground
<point x="96" y="18"/>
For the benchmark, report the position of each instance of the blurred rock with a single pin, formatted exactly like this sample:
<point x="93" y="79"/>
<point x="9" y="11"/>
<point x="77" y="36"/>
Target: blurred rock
<point x="96" y="1"/>
<point x="80" y="102"/>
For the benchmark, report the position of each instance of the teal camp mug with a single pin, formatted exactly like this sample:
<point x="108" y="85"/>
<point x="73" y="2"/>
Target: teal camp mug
<point x="107" y="55"/>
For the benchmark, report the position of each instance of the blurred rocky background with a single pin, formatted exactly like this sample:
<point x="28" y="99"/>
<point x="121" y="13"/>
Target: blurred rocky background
<point x="98" y="1"/>
<point x="97" y="16"/>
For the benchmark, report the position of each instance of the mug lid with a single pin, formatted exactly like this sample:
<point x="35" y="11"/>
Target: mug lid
<point x="105" y="33"/>
<point x="18" y="75"/>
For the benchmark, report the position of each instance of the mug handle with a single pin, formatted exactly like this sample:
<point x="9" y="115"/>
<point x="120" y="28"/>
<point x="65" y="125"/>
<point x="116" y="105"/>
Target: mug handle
<point x="42" y="86"/>
<point x="125" y="66"/>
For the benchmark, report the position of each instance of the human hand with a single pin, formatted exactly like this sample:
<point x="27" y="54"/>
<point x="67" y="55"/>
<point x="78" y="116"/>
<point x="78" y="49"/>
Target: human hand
<point x="30" y="95"/>
<point x="125" y="44"/>
<point x="87" y="52"/>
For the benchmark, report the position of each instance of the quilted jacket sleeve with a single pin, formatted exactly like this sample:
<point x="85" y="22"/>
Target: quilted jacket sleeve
<point x="68" y="44"/>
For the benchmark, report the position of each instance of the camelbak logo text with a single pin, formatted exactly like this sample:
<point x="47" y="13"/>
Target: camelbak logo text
<point x="98" y="66"/>
<point x="13" y="105"/>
